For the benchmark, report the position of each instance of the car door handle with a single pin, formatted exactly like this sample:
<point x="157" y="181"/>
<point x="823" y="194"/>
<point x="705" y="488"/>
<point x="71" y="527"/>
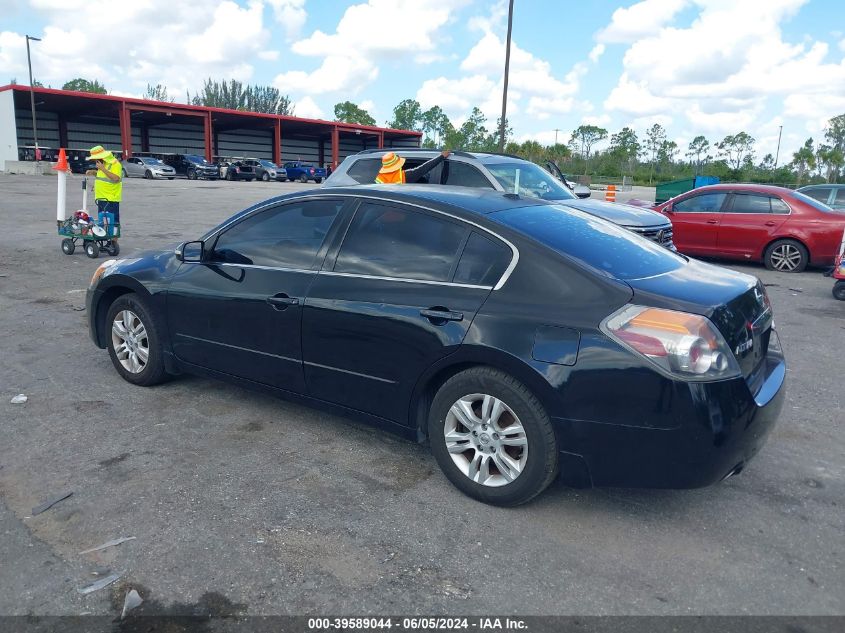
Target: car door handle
<point x="770" y="223"/>
<point x="281" y="301"/>
<point x="435" y="315"/>
<point x="712" y="221"/>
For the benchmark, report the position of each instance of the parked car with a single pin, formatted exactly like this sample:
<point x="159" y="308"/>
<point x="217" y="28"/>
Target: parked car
<point x="303" y="172"/>
<point x="581" y="191"/>
<point x="239" y="170"/>
<point x="520" y="337"/>
<point x="785" y="229"/>
<point x="502" y="173"/>
<point x="264" y="169"/>
<point x="147" y="167"/>
<point x="831" y="195"/>
<point x="192" y="166"/>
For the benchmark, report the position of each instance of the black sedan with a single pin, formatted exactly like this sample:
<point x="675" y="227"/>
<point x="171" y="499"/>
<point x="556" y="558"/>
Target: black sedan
<point x="519" y="337"/>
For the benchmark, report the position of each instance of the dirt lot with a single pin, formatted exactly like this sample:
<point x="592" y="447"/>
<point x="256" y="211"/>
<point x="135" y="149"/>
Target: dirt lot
<point x="241" y="503"/>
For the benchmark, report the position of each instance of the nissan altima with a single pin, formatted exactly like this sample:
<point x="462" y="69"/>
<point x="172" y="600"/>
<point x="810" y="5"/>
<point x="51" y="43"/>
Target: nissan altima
<point x="518" y="337"/>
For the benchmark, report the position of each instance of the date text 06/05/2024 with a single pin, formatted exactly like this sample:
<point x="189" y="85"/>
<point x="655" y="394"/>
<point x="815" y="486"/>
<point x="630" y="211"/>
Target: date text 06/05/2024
<point x="417" y="624"/>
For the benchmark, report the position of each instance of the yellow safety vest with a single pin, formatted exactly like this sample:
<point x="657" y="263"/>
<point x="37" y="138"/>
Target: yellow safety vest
<point x="105" y="189"/>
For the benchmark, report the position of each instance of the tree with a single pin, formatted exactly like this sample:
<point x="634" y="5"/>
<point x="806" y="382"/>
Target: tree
<point x="698" y="147"/>
<point x="655" y="136"/>
<point x="157" y="93"/>
<point x="829" y="160"/>
<point x="804" y="159"/>
<point x="767" y="164"/>
<point x="214" y="94"/>
<point x="586" y="136"/>
<point x="268" y="100"/>
<point x="667" y="152"/>
<point x="407" y="115"/>
<point x="84" y="85"/>
<point x="735" y="147"/>
<point x="348" y="112"/>
<point x="435" y="124"/>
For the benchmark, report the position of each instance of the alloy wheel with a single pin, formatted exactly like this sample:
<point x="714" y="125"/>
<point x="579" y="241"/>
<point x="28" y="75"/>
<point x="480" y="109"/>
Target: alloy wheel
<point x="130" y="341"/>
<point x="786" y="257"/>
<point x="486" y="440"/>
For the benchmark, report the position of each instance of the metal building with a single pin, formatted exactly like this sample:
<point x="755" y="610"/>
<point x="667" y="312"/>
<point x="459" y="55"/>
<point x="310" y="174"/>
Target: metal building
<point x="80" y="120"/>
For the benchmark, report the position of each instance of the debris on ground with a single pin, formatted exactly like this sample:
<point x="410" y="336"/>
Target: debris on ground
<point x="796" y="290"/>
<point x="96" y="586"/>
<point x="111" y="543"/>
<point x="389" y="558"/>
<point x="19" y="399"/>
<point x="133" y="599"/>
<point x="49" y="504"/>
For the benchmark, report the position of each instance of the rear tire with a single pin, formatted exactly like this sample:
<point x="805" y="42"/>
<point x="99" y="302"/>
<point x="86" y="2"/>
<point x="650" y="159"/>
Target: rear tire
<point x="303" y="179"/>
<point x="68" y="247"/>
<point x="133" y="341"/>
<point x="786" y="256"/>
<point x="265" y="176"/>
<point x="192" y="175"/>
<point x="318" y="180"/>
<point x="839" y="290"/>
<point x="113" y="249"/>
<point x="498" y="421"/>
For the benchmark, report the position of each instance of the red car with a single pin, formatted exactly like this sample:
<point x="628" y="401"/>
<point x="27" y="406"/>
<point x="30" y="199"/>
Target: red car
<point x="785" y="229"/>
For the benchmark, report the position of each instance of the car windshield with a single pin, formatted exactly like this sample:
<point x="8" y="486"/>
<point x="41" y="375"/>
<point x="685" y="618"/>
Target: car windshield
<point x="528" y="179"/>
<point x="821" y="206"/>
<point x="196" y="159"/>
<point x="151" y="161"/>
<point x="598" y="243"/>
<point x="267" y="163"/>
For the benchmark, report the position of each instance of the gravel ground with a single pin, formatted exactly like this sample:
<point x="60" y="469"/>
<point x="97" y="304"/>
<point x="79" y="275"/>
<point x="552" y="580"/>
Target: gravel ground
<point x="244" y="504"/>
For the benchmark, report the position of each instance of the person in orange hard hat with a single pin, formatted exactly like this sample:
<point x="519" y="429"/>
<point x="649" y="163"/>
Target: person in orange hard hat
<point x="392" y="173"/>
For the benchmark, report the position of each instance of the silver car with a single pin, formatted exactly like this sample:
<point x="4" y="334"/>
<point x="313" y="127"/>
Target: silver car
<point x="146" y="167"/>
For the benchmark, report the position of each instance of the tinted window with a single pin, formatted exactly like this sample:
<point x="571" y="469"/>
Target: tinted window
<point x="840" y="196"/>
<point x="365" y="170"/>
<point x="531" y="180"/>
<point x="463" y="175"/>
<point x="705" y="203"/>
<point x="810" y="201"/>
<point x="596" y="242"/>
<point x="779" y="206"/>
<point x="387" y="241"/>
<point x="483" y="261"/>
<point x="286" y="236"/>
<point x="821" y="194"/>
<point x="750" y="203"/>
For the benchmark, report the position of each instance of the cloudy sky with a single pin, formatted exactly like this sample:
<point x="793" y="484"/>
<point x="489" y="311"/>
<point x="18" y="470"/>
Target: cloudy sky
<point x="711" y="67"/>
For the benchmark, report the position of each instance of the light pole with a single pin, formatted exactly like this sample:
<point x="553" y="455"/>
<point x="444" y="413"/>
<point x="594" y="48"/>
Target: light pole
<point x="32" y="98"/>
<point x="503" y="122"/>
<point x="777" y="151"/>
<point x="557" y="129"/>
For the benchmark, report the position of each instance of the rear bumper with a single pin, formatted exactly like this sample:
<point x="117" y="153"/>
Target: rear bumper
<point x="722" y="426"/>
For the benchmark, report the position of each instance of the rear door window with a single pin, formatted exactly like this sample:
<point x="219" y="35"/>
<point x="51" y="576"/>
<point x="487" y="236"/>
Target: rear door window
<point x="365" y="170"/>
<point x="483" y="261"/>
<point x="387" y="240"/>
<point x="702" y="203"/>
<point x="750" y="203"/>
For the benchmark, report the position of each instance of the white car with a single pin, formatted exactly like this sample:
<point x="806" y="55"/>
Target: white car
<point x="146" y="167"/>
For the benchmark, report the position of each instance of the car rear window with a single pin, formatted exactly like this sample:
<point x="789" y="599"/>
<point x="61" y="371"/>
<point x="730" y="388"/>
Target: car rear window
<point x="365" y="170"/>
<point x="596" y="242"/>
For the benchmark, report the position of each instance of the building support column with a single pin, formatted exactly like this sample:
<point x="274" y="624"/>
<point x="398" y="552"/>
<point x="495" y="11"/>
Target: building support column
<point x="63" y="142"/>
<point x="145" y="138"/>
<point x="381" y="140"/>
<point x="207" y="136"/>
<point x="125" y="130"/>
<point x="335" y="147"/>
<point x="321" y="152"/>
<point x="277" y="141"/>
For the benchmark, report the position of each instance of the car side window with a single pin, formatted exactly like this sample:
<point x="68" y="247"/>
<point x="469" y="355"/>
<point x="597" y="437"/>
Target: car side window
<point x="365" y="170"/>
<point x="779" y="206"/>
<point x="840" y="197"/>
<point x="387" y="240"/>
<point x="703" y="203"/>
<point x="462" y="175"/>
<point x="822" y="194"/>
<point x="285" y="236"/>
<point x="750" y="203"/>
<point x="483" y="261"/>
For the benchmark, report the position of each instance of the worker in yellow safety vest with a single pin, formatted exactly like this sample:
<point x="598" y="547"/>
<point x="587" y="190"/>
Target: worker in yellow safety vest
<point x="108" y="182"/>
<point x="391" y="172"/>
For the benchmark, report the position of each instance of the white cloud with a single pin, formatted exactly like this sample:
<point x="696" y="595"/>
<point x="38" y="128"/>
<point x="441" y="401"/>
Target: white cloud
<point x="290" y="14"/>
<point x="308" y="108"/>
<point x="270" y="56"/>
<point x="639" y="20"/>
<point x="455" y="95"/>
<point x="347" y="74"/>
<point x="596" y="52"/>
<point x="368" y="105"/>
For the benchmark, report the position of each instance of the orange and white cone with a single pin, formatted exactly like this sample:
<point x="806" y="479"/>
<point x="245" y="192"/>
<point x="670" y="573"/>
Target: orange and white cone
<point x="61" y="197"/>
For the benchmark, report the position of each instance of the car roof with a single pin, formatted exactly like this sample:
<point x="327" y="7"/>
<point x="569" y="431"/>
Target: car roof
<point x="483" y="157"/>
<point x="822" y="185"/>
<point x="750" y="187"/>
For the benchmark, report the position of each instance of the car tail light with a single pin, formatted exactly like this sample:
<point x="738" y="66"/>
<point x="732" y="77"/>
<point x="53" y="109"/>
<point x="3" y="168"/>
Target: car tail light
<point x="312" y="172"/>
<point x="682" y="344"/>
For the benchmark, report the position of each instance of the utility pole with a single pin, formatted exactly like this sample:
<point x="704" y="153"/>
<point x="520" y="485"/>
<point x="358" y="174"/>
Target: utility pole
<point x="32" y="99"/>
<point x="777" y="152"/>
<point x="556" y="131"/>
<point x="504" y="123"/>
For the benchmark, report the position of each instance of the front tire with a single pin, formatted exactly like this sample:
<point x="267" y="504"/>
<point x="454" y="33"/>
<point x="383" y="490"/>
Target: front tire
<point x="492" y="438"/>
<point x="318" y="180"/>
<point x="134" y="343"/>
<point x="265" y="176"/>
<point x="192" y="175"/>
<point x="786" y="256"/>
<point x="303" y="179"/>
<point x="92" y="250"/>
<point x="148" y="175"/>
<point x="68" y="246"/>
<point x="839" y="290"/>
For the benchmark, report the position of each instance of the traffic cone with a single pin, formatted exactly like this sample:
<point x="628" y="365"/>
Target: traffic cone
<point x="62" y="164"/>
<point x="610" y="194"/>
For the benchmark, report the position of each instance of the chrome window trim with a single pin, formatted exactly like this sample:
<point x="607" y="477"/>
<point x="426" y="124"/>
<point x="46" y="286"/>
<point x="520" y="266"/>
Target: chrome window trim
<point x="498" y="286"/>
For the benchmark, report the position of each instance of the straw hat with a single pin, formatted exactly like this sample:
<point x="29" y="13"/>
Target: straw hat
<point x="390" y="162"/>
<point x="99" y="153"/>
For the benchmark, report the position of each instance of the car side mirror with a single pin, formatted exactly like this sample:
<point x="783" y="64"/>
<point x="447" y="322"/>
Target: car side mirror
<point x="190" y="252"/>
<point x="668" y="209"/>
